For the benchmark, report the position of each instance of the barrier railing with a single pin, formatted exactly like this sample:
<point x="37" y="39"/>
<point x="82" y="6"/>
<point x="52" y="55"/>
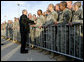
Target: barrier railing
<point x="63" y="39"/>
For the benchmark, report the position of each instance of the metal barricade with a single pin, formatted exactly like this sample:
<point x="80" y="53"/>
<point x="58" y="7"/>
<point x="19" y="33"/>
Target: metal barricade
<point x="62" y="39"/>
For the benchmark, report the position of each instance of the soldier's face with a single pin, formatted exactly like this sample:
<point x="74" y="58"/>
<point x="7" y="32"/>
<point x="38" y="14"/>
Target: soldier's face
<point x="61" y="7"/>
<point x="56" y="7"/>
<point x="69" y="4"/>
<point x="73" y="7"/>
<point x="38" y="13"/>
<point x="49" y="8"/>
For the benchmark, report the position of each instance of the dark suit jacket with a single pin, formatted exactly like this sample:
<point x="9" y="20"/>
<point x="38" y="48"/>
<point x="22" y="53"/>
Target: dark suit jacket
<point x="24" y="23"/>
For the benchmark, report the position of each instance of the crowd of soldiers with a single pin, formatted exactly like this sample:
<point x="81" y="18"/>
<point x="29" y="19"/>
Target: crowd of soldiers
<point x="63" y="13"/>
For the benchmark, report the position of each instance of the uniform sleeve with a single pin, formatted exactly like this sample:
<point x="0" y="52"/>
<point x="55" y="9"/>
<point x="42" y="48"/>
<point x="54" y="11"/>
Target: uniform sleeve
<point x="55" y="16"/>
<point x="82" y="14"/>
<point x="38" y="23"/>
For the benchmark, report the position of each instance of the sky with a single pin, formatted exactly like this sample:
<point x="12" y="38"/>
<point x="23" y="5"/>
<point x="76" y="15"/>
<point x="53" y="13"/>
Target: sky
<point x="10" y="9"/>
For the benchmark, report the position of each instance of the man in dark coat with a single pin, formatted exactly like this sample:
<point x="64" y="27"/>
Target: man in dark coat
<point x="24" y="30"/>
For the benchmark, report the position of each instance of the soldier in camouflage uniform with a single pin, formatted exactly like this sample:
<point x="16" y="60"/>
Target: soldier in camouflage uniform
<point x="38" y="34"/>
<point x="50" y="20"/>
<point x="16" y="29"/>
<point x="62" y="29"/>
<point x="64" y="19"/>
<point x="3" y="29"/>
<point x="10" y="30"/>
<point x="4" y="26"/>
<point x="78" y="17"/>
<point x="7" y="31"/>
<point x="31" y="29"/>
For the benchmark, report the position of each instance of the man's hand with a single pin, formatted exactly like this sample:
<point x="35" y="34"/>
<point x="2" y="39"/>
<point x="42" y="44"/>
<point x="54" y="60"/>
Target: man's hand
<point x="40" y="27"/>
<point x="32" y="25"/>
<point x="70" y="23"/>
<point x="56" y="23"/>
<point x="35" y="21"/>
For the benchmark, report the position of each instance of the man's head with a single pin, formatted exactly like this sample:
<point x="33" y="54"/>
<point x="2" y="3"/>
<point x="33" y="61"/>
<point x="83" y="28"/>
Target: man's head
<point x="5" y="22"/>
<point x="24" y="12"/>
<point x="77" y="5"/>
<point x="44" y="13"/>
<point x="29" y="15"/>
<point x="57" y="7"/>
<point x="51" y="7"/>
<point x="69" y="4"/>
<point x="63" y="5"/>
<point x="34" y="16"/>
<point x="39" y="12"/>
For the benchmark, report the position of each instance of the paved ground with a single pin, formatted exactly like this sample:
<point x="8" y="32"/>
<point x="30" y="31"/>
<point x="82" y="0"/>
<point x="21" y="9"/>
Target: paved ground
<point x="11" y="52"/>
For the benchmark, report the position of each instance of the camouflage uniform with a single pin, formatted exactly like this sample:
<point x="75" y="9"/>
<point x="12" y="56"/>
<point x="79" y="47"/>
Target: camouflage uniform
<point x="51" y="18"/>
<point x="10" y="31"/>
<point x="38" y="33"/>
<point x="31" y="35"/>
<point x="62" y="31"/>
<point x="3" y="30"/>
<point x="16" y="31"/>
<point x="77" y="17"/>
<point x="7" y="31"/>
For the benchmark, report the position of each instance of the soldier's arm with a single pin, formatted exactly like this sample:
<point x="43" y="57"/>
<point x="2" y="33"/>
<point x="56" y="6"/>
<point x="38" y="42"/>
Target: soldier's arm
<point x="38" y="24"/>
<point x="48" y="23"/>
<point x="55" y="15"/>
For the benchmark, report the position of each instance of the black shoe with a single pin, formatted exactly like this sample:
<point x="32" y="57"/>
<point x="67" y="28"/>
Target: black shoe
<point x="26" y="51"/>
<point x="2" y="44"/>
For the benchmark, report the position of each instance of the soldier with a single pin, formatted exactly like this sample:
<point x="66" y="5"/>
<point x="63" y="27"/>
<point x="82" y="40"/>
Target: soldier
<point x="34" y="17"/>
<point x="69" y="4"/>
<point x="40" y="21"/>
<point x="11" y="30"/>
<point x="64" y="19"/>
<point x="7" y="31"/>
<point x="31" y="29"/>
<point x="77" y="17"/>
<point x="57" y="8"/>
<point x="78" y="14"/>
<point x="50" y="20"/>
<point x="2" y="29"/>
<point x="16" y="29"/>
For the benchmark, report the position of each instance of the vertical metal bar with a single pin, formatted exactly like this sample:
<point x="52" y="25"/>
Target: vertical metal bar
<point x="58" y="39"/>
<point x="51" y="37"/>
<point x="69" y="40"/>
<point x="54" y="38"/>
<point x="61" y="38"/>
<point x="80" y="42"/>
<point x="65" y="38"/>
<point x="74" y="40"/>
<point x="46" y="37"/>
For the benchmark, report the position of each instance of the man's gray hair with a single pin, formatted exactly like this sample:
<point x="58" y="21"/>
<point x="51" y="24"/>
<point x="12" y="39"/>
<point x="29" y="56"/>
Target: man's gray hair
<point x="23" y="11"/>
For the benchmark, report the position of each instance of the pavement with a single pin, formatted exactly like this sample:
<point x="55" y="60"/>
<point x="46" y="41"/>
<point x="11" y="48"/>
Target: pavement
<point x="10" y="51"/>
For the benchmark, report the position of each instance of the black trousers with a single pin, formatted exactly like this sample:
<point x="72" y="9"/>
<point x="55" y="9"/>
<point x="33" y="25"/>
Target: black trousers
<point x="24" y="40"/>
